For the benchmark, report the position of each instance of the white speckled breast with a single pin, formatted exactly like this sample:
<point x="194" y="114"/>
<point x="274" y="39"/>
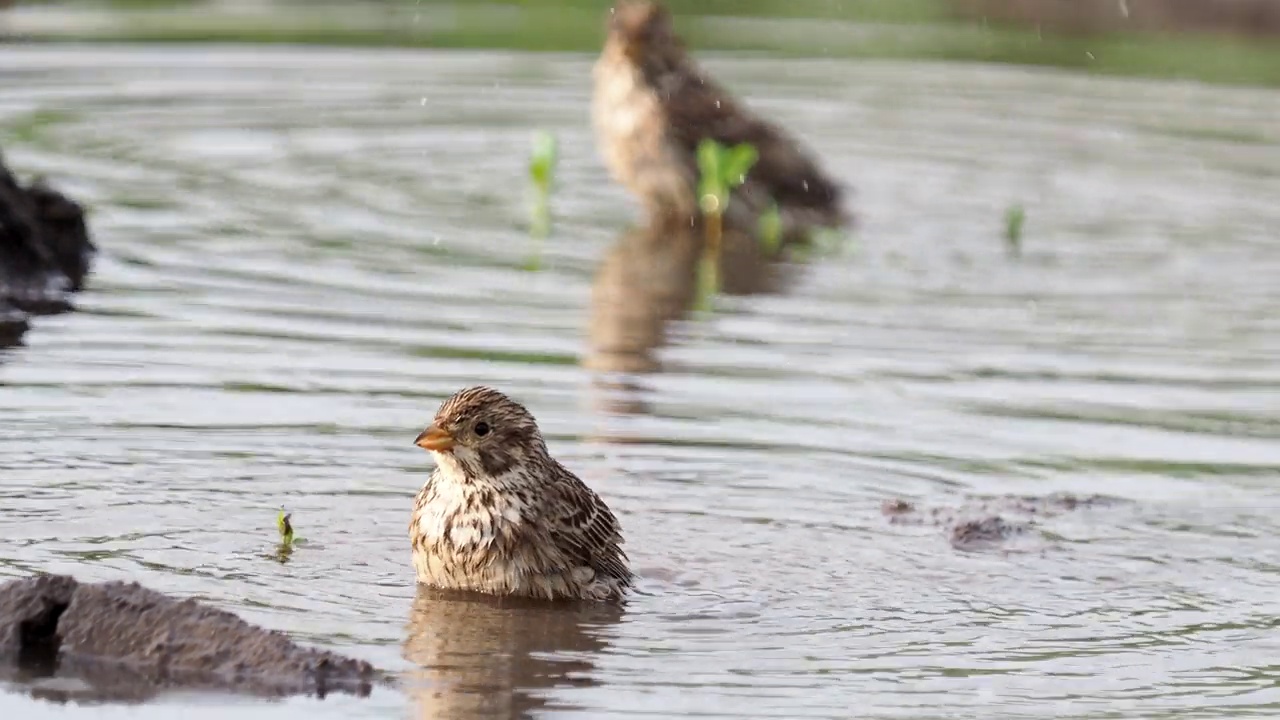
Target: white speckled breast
<point x="456" y="537"/>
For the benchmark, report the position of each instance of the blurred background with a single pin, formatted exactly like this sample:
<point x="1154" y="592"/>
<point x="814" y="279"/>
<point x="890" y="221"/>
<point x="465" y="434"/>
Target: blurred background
<point x="1010" y="447"/>
<point x="1226" y="40"/>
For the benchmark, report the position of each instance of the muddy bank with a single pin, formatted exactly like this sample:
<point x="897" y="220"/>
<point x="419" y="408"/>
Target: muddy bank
<point x="984" y="523"/>
<point x="119" y="641"/>
<point x="45" y="251"/>
<point x="1232" y="17"/>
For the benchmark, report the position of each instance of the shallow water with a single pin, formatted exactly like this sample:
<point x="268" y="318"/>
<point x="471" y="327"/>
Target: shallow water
<point x="304" y="251"/>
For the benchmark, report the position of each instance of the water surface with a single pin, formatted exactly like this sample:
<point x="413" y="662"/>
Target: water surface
<point x="305" y="251"/>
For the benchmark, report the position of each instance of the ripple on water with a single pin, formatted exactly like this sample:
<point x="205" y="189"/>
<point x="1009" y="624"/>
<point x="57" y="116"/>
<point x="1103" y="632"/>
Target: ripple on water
<point x="295" y="273"/>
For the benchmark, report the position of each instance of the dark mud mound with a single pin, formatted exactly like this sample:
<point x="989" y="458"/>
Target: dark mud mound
<point x="13" y="324"/>
<point x="45" y="251"/>
<point x="119" y="641"/>
<point x="984" y="523"/>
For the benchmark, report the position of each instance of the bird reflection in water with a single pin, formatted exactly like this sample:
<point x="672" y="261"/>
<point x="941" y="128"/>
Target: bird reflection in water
<point x="648" y="280"/>
<point x="500" y="657"/>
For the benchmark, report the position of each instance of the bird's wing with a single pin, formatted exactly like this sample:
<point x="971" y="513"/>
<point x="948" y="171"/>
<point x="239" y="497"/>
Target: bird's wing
<point x="697" y="108"/>
<point x="584" y="528"/>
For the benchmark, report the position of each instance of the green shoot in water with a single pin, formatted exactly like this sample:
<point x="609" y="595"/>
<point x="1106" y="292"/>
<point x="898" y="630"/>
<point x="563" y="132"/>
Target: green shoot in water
<point x="1013" y="219"/>
<point x="542" y="169"/>
<point x="771" y="229"/>
<point x="286" y="528"/>
<point x="720" y="170"/>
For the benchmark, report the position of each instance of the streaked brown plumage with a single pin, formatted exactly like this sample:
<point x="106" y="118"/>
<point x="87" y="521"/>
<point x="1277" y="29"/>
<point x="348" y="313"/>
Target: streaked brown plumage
<point x="500" y="516"/>
<point x="652" y="105"/>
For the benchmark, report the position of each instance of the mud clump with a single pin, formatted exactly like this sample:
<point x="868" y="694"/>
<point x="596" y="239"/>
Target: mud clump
<point x="981" y="523"/>
<point x="13" y="324"/>
<point x="984" y="532"/>
<point x="121" y="641"/>
<point x="45" y="252"/>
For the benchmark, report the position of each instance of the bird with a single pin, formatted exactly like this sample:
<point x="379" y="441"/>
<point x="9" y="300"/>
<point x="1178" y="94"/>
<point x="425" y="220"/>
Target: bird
<point x="652" y="105"/>
<point x="500" y="516"/>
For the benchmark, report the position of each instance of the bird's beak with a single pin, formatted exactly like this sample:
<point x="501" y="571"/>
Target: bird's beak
<point x="433" y="438"/>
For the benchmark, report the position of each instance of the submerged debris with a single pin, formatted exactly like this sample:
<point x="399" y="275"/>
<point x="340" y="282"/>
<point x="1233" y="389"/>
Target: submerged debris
<point x="122" y="641"/>
<point x="974" y="534"/>
<point x="981" y="522"/>
<point x="897" y="506"/>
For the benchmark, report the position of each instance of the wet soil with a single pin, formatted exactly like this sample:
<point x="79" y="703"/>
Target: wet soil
<point x="118" y="641"/>
<point x="45" y="252"/>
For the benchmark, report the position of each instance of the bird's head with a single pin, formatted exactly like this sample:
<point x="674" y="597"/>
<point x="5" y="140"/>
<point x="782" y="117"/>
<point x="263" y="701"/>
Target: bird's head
<point x="641" y="28"/>
<point x="483" y="435"/>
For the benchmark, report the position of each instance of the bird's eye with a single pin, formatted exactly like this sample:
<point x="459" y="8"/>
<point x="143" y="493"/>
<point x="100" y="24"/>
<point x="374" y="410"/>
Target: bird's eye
<point x="482" y="428"/>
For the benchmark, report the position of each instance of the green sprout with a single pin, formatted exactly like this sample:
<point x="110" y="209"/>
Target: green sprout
<point x="720" y="170"/>
<point x="542" y="169"/>
<point x="288" y="539"/>
<point x="1013" y="219"/>
<point x="771" y="229"/>
<point x="286" y="528"/>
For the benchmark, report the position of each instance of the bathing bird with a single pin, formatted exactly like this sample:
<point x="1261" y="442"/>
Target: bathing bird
<point x="652" y="105"/>
<point x="500" y="516"/>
